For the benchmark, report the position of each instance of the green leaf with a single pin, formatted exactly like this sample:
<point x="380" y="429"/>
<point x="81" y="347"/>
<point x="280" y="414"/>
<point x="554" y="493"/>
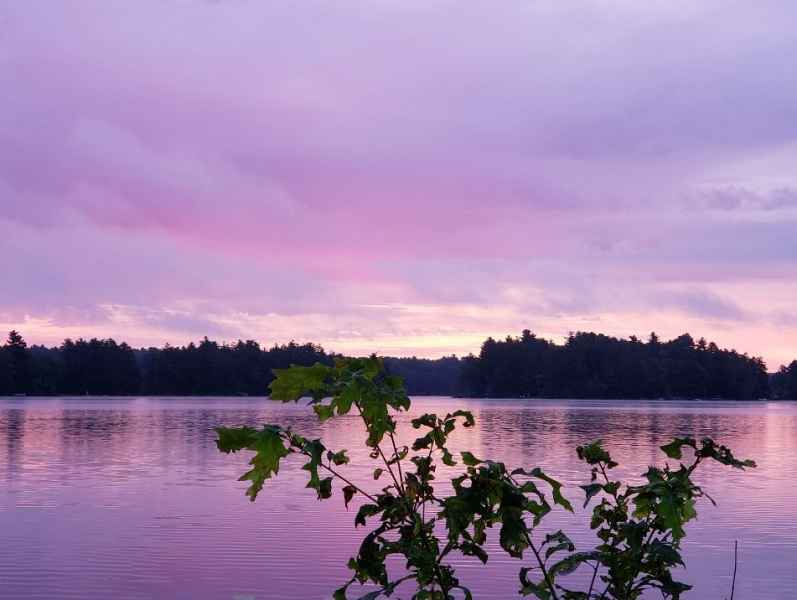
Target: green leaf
<point x="366" y="510"/>
<point x="378" y="473"/>
<point x="325" y="488"/>
<point x="557" y="542"/>
<point x="673" y="449"/>
<point x="234" y="439"/>
<point x="338" y="458"/>
<point x="591" y="491"/>
<point x="511" y="535"/>
<point x="594" y="453"/>
<point x="571" y="563"/>
<point x="467" y="415"/>
<point x="324" y="411"/>
<point x="315" y="450"/>
<point x="425" y="420"/>
<point x="371" y="367"/>
<point x="269" y="450"/>
<point x="722" y="454"/>
<point x="666" y="553"/>
<point x="422" y="442"/>
<point x="348" y="494"/>
<point x="295" y="382"/>
<point x="673" y="588"/>
<point x="400" y="455"/>
<point x="538" y="509"/>
<point x="528" y="587"/>
<point x="645" y="504"/>
<point x="470" y="460"/>
<point x="668" y="512"/>
<point x="347" y="397"/>
<point x="471" y="549"/>
<point x="374" y="409"/>
<point x="340" y="593"/>
<point x="556" y="489"/>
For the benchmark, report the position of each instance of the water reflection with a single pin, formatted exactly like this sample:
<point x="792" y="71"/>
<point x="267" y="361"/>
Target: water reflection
<point x="128" y="498"/>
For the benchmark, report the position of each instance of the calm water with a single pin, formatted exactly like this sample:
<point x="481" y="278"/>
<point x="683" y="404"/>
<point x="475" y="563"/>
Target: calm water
<point x="129" y="499"/>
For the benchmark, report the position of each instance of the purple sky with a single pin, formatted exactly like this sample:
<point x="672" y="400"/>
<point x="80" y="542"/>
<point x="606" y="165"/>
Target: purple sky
<point x="399" y="176"/>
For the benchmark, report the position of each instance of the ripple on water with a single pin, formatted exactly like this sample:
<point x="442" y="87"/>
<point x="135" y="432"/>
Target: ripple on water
<point x="129" y="499"/>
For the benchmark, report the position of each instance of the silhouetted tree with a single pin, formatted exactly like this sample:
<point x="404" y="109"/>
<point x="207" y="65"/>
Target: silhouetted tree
<point x="210" y="368"/>
<point x="784" y="382"/>
<point x="587" y="365"/>
<point x="98" y="367"/>
<point x="427" y="377"/>
<point x="591" y="365"/>
<point x="17" y="364"/>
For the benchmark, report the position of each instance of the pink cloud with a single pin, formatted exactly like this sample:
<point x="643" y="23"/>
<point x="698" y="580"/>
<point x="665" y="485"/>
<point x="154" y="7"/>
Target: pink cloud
<point x="279" y="169"/>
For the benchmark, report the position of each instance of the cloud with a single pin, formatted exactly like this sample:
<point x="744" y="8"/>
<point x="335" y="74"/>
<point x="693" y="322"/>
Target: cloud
<point x="281" y="169"/>
<point x="704" y="304"/>
<point x="782" y="200"/>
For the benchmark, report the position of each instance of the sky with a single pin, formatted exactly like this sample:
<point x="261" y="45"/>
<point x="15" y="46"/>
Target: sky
<point x="400" y="176"/>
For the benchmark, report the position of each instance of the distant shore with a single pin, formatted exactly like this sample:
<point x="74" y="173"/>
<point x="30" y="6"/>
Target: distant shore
<point x="587" y="366"/>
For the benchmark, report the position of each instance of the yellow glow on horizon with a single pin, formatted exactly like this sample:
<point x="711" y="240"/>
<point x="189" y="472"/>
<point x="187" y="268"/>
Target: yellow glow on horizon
<point x="423" y="330"/>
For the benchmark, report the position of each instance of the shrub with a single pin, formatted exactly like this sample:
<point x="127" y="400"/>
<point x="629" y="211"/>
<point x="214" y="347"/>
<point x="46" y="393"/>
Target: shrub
<point x="639" y="527"/>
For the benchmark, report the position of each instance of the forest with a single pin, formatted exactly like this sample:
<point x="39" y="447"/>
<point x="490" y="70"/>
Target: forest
<point x="586" y="365"/>
<point x="592" y="365"/>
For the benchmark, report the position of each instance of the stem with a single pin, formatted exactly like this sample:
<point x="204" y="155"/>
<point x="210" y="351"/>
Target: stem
<point x="606" y="478"/>
<point x="638" y="566"/>
<point x="392" y="587"/>
<point x="615" y="541"/>
<point x="691" y="469"/>
<point x="331" y="470"/>
<point x="541" y="563"/>
<point x="437" y="570"/>
<point x="735" y="564"/>
<point x="398" y="460"/>
<point x="342" y="478"/>
<point x="592" y="583"/>
<point x="399" y="488"/>
<point x="424" y="481"/>
<point x="449" y="547"/>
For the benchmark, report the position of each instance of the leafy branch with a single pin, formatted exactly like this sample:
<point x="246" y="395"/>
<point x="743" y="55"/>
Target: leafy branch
<point x="639" y="527"/>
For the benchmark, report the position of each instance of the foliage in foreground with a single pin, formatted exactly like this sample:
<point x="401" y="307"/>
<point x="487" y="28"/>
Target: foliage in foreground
<point x="639" y="527"/>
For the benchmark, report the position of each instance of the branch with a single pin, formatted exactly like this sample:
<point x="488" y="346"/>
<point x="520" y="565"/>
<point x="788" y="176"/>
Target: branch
<point x="638" y="566"/>
<point x="735" y="564"/>
<point x="592" y="583"/>
<point x="292" y="442"/>
<point x="399" y="487"/>
<point x="438" y="573"/>
<point x="540" y="562"/>
<point x="398" y="460"/>
<point x="342" y="478"/>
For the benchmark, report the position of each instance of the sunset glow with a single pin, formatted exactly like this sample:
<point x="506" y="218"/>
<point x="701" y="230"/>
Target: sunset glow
<point x="277" y="171"/>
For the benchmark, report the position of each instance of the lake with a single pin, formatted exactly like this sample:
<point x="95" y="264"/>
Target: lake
<point x="129" y="499"/>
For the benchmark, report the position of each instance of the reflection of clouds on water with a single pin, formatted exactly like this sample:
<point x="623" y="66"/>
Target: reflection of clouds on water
<point x="129" y="497"/>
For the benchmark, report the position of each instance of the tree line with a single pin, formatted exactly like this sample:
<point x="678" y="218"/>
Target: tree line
<point x="105" y="367"/>
<point x="784" y="382"/>
<point x="592" y="365"/>
<point x="587" y="365"/>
